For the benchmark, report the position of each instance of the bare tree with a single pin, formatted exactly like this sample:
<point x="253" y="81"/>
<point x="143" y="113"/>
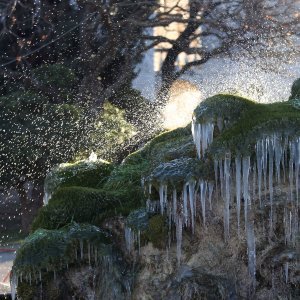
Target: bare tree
<point x="110" y="37"/>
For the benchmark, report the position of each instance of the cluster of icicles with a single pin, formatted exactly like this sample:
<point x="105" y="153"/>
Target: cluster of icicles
<point x="249" y="182"/>
<point x="92" y="254"/>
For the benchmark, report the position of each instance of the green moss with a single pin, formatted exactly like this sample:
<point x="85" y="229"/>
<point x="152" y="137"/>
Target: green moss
<point x="227" y="107"/>
<point x="82" y="173"/>
<point x="79" y="204"/>
<point x="52" y="250"/>
<point x="157" y="232"/>
<point x="258" y="121"/>
<point x="87" y="205"/>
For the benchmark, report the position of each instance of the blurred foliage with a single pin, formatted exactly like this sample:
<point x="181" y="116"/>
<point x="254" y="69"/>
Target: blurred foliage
<point x="35" y="135"/>
<point x="110" y="132"/>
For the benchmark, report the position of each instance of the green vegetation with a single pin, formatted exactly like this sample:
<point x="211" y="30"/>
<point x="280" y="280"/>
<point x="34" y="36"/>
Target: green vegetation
<point x="258" y="121"/>
<point x="223" y="110"/>
<point x="52" y="250"/>
<point x="82" y="173"/>
<point x="110" y="132"/>
<point x="157" y="232"/>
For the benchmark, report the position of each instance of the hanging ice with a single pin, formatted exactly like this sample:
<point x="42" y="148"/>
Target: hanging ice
<point x="210" y="193"/>
<point x="271" y="163"/>
<point x="191" y="187"/>
<point x="174" y="205"/>
<point x="178" y="238"/>
<point x="227" y="195"/>
<point x="202" y="135"/>
<point x="129" y="239"/>
<point x="13" y="286"/>
<point x="238" y="183"/>
<point x="259" y="163"/>
<point x="185" y="210"/>
<point x="163" y="189"/>
<point x="202" y="185"/>
<point x="246" y="169"/>
<point x="251" y="249"/>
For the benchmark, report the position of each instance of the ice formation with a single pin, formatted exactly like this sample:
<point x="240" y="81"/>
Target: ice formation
<point x="202" y="135"/>
<point x="250" y="179"/>
<point x="132" y="238"/>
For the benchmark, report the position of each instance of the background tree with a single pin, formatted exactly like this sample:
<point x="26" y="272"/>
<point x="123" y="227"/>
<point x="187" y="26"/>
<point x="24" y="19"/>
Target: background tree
<point x="104" y="40"/>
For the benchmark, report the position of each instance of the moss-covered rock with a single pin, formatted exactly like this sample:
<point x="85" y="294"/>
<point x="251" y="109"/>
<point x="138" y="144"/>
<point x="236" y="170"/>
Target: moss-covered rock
<point x="52" y="250"/>
<point x="83" y="173"/>
<point x="259" y="120"/>
<point x="223" y="110"/>
<point x="79" y="204"/>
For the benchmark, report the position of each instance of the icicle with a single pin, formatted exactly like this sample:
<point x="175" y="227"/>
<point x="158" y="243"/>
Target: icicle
<point x="196" y="132"/>
<point x="165" y="196"/>
<point x="259" y="163"/>
<point x="264" y="163"/>
<point x="286" y="272"/>
<point x="227" y="195"/>
<point x="246" y="168"/>
<point x="278" y="156"/>
<point x="185" y="211"/>
<point x="221" y="178"/>
<point x="54" y="275"/>
<point x="216" y="174"/>
<point x="178" y="239"/>
<point x="253" y="182"/>
<point x="13" y="286"/>
<point x="271" y="163"/>
<point x="202" y="136"/>
<point x="149" y="188"/>
<point x="174" y="205"/>
<point x="238" y="183"/>
<point x="163" y="192"/>
<point x="297" y="165"/>
<point x="251" y="250"/>
<point x="81" y="248"/>
<point x="291" y="170"/>
<point x="191" y="187"/>
<point x="202" y="185"/>
<point x="210" y="192"/>
<point x="139" y="241"/>
<point x="129" y="239"/>
<point x="89" y="253"/>
<point x="96" y="255"/>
